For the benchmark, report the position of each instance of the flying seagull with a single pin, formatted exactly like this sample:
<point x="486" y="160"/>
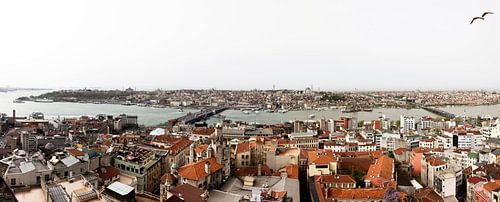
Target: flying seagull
<point x="487" y="13"/>
<point x="482" y="17"/>
<point x="476" y="18"/>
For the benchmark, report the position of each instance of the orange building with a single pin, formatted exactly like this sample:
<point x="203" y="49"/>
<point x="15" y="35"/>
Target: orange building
<point x="415" y="160"/>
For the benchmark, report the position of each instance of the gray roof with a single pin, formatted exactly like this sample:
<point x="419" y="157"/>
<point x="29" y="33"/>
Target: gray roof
<point x="69" y="161"/>
<point x="496" y="152"/>
<point x="58" y="194"/>
<point x="26" y="167"/>
<point x="120" y="188"/>
<point x="233" y="131"/>
<point x="216" y="196"/>
<point x="493" y="140"/>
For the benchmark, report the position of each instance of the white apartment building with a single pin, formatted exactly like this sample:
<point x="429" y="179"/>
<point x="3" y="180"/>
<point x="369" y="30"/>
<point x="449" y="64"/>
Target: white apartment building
<point x="407" y="123"/>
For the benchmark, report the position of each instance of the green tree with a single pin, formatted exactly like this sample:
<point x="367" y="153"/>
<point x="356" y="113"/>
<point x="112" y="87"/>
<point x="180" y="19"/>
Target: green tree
<point x="359" y="176"/>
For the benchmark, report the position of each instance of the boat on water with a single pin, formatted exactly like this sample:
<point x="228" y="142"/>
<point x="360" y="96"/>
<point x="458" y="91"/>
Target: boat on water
<point x="128" y="103"/>
<point x="282" y="111"/>
<point x="44" y="100"/>
<point x="349" y="111"/>
<point x="219" y="116"/>
<point x="246" y="112"/>
<point x="18" y="101"/>
<point x="356" y="110"/>
<point x="312" y="116"/>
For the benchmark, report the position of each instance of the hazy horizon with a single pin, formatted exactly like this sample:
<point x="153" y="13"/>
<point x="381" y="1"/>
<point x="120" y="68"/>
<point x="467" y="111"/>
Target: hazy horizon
<point x="331" y="45"/>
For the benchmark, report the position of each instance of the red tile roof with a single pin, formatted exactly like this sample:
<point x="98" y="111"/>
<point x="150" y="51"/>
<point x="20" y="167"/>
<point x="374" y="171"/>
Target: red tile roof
<point x="246" y="146"/>
<point x="243" y="147"/>
<point x="492" y="186"/>
<point x="188" y="193"/>
<point x="399" y="151"/>
<point x="196" y="171"/>
<point x="356" y="194"/>
<point x="252" y="171"/>
<point x="204" y="131"/>
<point x="177" y="144"/>
<point x="107" y="172"/>
<point x="428" y="195"/>
<point x="336" y="179"/>
<point x="420" y="150"/>
<point x="434" y="161"/>
<point x="475" y="180"/>
<point x="318" y="157"/>
<point x="381" y="171"/>
<point x="201" y="148"/>
<point x="324" y="160"/>
<point x="75" y="152"/>
<point x="361" y="163"/>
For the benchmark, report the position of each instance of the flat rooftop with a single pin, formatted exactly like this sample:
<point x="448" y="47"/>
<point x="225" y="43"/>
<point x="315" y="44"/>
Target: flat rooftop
<point x="274" y="183"/>
<point x="36" y="193"/>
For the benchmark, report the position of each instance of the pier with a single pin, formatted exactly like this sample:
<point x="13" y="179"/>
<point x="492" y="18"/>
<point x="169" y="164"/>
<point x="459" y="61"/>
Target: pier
<point x="439" y="112"/>
<point x="203" y="114"/>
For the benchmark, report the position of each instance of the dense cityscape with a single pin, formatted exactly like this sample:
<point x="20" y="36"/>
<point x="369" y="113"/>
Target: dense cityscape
<point x="273" y="100"/>
<point x="111" y="157"/>
<point x="249" y="101"/>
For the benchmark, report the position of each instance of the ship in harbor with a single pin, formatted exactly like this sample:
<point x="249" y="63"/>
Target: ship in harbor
<point x="18" y="101"/>
<point x="44" y="100"/>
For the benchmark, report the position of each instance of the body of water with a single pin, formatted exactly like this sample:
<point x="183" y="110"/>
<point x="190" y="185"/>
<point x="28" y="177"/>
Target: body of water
<point x="146" y="115"/>
<point x="153" y="116"/>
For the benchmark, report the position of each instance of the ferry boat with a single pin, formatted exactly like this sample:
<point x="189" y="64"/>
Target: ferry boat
<point x="44" y="100"/>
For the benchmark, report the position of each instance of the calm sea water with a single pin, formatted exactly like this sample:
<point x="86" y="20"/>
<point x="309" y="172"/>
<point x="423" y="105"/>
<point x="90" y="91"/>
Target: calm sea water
<point x="146" y="115"/>
<point x="152" y="116"/>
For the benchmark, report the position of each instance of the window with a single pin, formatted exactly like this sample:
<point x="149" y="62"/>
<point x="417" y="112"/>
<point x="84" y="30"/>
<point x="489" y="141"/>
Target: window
<point x="13" y="181"/>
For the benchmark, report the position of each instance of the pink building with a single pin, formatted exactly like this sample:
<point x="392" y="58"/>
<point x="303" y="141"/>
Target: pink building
<point x="416" y="158"/>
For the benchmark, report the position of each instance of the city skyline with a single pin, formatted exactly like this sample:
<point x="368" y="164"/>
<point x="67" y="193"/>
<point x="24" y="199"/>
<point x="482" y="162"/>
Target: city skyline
<point x="333" y="45"/>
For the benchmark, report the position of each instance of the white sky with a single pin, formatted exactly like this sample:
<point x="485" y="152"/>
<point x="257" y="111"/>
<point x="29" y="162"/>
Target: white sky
<point x="242" y="44"/>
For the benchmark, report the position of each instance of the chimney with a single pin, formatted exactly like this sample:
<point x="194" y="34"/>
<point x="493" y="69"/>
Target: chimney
<point x="14" y="118"/>
<point x="259" y="170"/>
<point x="207" y="167"/>
<point x="191" y="153"/>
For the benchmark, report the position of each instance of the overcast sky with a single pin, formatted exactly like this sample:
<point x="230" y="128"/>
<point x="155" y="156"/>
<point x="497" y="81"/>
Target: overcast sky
<point x="242" y="44"/>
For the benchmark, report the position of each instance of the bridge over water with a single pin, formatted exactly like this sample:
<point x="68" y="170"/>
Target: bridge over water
<point x="201" y="115"/>
<point x="439" y="112"/>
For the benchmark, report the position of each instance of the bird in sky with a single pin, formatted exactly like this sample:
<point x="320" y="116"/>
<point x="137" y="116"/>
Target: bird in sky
<point x="487" y="13"/>
<point x="476" y="18"/>
<point x="482" y="17"/>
